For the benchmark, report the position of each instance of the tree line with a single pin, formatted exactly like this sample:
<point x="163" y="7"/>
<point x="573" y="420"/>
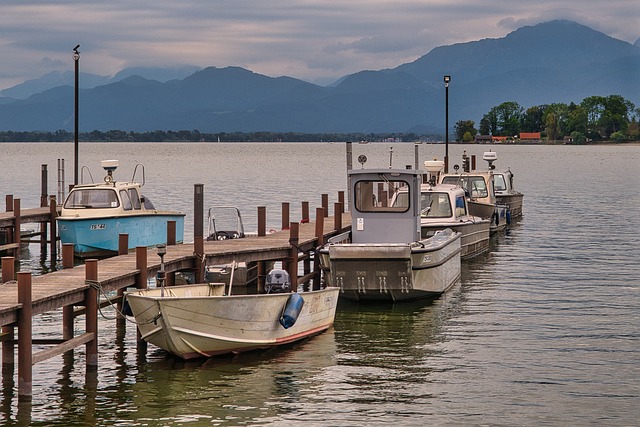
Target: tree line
<point x="596" y="118"/>
<point x="197" y="136"/>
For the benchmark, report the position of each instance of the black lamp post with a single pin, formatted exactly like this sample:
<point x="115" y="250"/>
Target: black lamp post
<point x="76" y="59"/>
<point x="447" y="79"/>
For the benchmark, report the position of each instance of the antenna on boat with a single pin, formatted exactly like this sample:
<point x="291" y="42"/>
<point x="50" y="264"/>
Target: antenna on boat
<point x="109" y="166"/>
<point x="490" y="157"/>
<point x="434" y="169"/>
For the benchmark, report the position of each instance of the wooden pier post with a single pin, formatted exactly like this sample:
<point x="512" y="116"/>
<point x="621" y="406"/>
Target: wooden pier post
<point x="325" y="204"/>
<point x="141" y="283"/>
<point x="123" y="249"/>
<point x="337" y="212"/>
<point x="306" y="263"/>
<point x="91" y="314"/>
<point x="16" y="228"/>
<point x="123" y="244"/>
<point x="25" y="329"/>
<point x="67" y="310"/>
<point x="141" y="266"/>
<point x="262" y="220"/>
<point x="198" y="232"/>
<point x="320" y="242"/>
<point x="341" y="199"/>
<point x="44" y="201"/>
<point x="262" y="231"/>
<point x="292" y="268"/>
<point x="171" y="233"/>
<point x="53" y="230"/>
<point x="285" y="215"/>
<point x="8" y="348"/>
<point x="9" y="202"/>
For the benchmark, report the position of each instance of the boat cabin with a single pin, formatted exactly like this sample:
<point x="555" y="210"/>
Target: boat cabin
<point x="378" y="218"/>
<point x="107" y="198"/>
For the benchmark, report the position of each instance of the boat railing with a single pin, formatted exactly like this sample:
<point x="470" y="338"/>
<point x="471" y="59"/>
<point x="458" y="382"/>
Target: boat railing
<point x="82" y="175"/>
<point x="340" y="238"/>
<point x="135" y="171"/>
<point x="216" y="232"/>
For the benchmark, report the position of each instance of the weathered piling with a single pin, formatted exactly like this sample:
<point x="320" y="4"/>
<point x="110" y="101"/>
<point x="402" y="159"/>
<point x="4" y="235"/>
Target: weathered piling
<point x="67" y="310"/>
<point x="198" y="224"/>
<point x="91" y="313"/>
<point x="285" y="216"/>
<point x="25" y="334"/>
<point x="292" y="267"/>
<point x="8" y="349"/>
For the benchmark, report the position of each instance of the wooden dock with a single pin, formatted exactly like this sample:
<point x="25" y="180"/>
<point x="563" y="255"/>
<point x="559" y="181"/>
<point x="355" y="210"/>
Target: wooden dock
<point x="14" y="216"/>
<point x="79" y="290"/>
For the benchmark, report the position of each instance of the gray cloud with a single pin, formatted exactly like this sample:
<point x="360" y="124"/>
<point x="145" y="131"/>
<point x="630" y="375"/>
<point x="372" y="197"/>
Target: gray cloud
<point x="313" y="40"/>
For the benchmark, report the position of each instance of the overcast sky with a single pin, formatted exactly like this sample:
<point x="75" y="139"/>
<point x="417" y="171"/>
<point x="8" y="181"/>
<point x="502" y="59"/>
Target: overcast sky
<point x="314" y="40"/>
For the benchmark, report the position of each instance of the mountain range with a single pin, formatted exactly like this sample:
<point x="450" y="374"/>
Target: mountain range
<point x="556" y="61"/>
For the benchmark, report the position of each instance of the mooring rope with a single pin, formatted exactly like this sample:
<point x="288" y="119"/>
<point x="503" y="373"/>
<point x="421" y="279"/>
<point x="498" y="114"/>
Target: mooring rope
<point x="96" y="285"/>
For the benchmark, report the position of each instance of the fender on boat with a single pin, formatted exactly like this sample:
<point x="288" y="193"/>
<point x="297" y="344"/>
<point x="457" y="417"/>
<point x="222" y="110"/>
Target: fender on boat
<point x="291" y="310"/>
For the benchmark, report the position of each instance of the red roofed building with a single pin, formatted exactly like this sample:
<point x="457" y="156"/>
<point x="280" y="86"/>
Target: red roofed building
<point x="530" y="136"/>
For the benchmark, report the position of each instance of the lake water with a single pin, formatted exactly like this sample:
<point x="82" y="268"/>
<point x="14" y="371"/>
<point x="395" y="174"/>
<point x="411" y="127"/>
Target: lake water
<point x="543" y="330"/>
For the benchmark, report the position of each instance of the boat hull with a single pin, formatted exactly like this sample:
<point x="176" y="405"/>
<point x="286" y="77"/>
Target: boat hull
<point x="99" y="236"/>
<point x="513" y="201"/>
<point x="474" y="239"/>
<point x="394" y="271"/>
<point x="197" y="321"/>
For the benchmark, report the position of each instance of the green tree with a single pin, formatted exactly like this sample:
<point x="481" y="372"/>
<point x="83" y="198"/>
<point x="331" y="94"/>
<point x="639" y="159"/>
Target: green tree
<point x="555" y="120"/>
<point x="489" y="123"/>
<point x="464" y="126"/>
<point x="533" y="119"/>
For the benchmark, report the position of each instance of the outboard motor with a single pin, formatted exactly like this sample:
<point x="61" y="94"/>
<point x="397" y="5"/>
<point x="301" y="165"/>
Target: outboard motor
<point x="278" y="281"/>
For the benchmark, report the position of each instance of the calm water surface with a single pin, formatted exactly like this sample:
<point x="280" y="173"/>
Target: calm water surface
<point x="543" y="330"/>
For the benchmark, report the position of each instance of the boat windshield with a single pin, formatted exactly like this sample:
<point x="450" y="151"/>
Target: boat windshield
<point x="93" y="198"/>
<point x="375" y="196"/>
<point x="499" y="184"/>
<point x="474" y="186"/>
<point x="435" y="205"/>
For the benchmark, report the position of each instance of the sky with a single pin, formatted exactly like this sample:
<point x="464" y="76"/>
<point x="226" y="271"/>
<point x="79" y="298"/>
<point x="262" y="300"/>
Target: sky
<point x="314" y="40"/>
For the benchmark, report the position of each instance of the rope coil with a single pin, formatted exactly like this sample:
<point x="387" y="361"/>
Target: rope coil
<point x="96" y="285"/>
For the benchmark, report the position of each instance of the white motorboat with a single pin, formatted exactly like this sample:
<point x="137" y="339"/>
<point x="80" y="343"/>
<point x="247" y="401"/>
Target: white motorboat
<point x="94" y="215"/>
<point x="384" y="257"/>
<point x="204" y="320"/>
<point x="445" y="206"/>
<point x="479" y="189"/>
<point x="506" y="194"/>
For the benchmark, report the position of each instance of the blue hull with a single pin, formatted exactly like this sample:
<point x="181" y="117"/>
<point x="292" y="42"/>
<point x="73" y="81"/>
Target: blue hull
<point x="99" y="236"/>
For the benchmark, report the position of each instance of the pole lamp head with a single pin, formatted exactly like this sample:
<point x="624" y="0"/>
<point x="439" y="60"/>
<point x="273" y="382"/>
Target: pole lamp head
<point x="447" y="79"/>
<point x="76" y="53"/>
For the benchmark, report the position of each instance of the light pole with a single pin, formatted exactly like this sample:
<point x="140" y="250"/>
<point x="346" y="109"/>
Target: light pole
<point x="447" y="79"/>
<point x="76" y="59"/>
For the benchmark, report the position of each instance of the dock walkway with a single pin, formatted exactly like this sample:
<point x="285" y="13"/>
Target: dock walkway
<point x="67" y="286"/>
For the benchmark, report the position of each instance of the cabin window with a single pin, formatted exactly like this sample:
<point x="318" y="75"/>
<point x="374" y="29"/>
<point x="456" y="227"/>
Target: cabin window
<point x="499" y="183"/>
<point x="461" y="208"/>
<point x="435" y="205"/>
<point x="92" y="199"/>
<point x="126" y="202"/>
<point x="474" y="186"/>
<point x="135" y="199"/>
<point x="148" y="204"/>
<point x="375" y="196"/>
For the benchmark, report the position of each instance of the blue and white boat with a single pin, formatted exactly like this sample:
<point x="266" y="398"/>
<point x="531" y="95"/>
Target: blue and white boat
<point x="94" y="215"/>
